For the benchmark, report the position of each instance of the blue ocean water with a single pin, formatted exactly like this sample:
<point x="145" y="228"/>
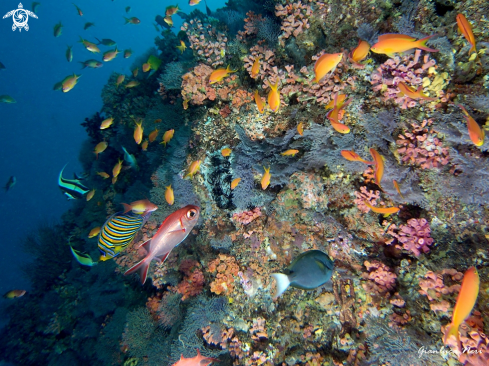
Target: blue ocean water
<point x="42" y="132"/>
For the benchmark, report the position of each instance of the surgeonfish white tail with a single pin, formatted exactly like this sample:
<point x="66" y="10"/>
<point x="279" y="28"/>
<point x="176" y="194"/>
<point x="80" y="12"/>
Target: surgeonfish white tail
<point x="283" y="283"/>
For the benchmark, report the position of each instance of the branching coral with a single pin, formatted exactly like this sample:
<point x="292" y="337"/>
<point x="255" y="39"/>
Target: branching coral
<point x="295" y="18"/>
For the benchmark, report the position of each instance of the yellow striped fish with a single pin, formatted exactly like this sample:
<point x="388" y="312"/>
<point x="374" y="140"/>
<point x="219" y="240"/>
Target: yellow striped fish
<point x="118" y="232"/>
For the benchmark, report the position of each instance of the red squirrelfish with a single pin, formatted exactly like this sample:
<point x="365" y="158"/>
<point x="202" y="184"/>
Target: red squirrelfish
<point x="353" y="156"/>
<point x="274" y="97"/>
<point x="411" y="93"/>
<point x="465" y="302"/>
<point x="379" y="165"/>
<point x="394" y="43"/>
<point x="359" y="53"/>
<point x="325" y="64"/>
<point x="198" y="360"/>
<point x="476" y="133"/>
<point x="466" y="29"/>
<point x="219" y="74"/>
<point x="259" y="103"/>
<point x="172" y="232"/>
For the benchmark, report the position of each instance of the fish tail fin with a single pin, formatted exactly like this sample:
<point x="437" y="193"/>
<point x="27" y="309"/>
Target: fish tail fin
<point x="283" y="283"/>
<point x="143" y="267"/>
<point x="83" y="64"/>
<point x="274" y="87"/>
<point x="228" y="69"/>
<point x="450" y="330"/>
<point x="127" y="207"/>
<point x="422" y="44"/>
<point x="472" y="49"/>
<point x="99" y="42"/>
<point x="127" y="20"/>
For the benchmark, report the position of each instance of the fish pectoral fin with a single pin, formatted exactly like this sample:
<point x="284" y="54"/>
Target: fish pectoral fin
<point x="163" y="257"/>
<point x="178" y="231"/>
<point x="144" y="244"/>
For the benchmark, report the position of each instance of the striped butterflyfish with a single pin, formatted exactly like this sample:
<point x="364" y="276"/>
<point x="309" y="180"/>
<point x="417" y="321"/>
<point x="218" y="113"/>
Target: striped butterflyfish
<point x="72" y="188"/>
<point x="118" y="232"/>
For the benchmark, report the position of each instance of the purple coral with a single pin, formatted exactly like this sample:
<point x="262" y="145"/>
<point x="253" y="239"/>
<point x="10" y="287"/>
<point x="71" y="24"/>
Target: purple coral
<point x="415" y="236"/>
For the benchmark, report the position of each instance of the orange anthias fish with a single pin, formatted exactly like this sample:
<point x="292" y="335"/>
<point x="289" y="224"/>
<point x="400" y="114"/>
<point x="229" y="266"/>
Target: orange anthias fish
<point x="127" y="53"/>
<point x="106" y="123"/>
<point x="386" y="211"/>
<point x="182" y="46"/>
<point x="132" y="84"/>
<point x="153" y="135"/>
<point x="70" y="82"/>
<point x="170" y="10"/>
<point x="140" y="207"/>
<point x="466" y="29"/>
<point x="389" y="44"/>
<point x="335" y="114"/>
<point x="146" y="67"/>
<point x="144" y="145"/>
<point x="219" y="74"/>
<point x="411" y="93"/>
<point x="300" y="128"/>
<point x="226" y="152"/>
<point x="465" y="302"/>
<point x="194" y="2"/>
<point x="198" y="360"/>
<point x="117" y="169"/>
<point x="120" y="79"/>
<point x="100" y="148"/>
<point x="265" y="180"/>
<point x="255" y="69"/>
<point x="158" y="120"/>
<point x="290" y="152"/>
<point x="94" y="232"/>
<point x="172" y="232"/>
<point x="379" y="165"/>
<point x="476" y="133"/>
<point x="167" y="136"/>
<point x="138" y="132"/>
<point x="235" y="183"/>
<point x="274" y="97"/>
<point x="259" y="103"/>
<point x="135" y="72"/>
<point x="398" y="189"/>
<point x="14" y="294"/>
<point x="359" y="53"/>
<point x="168" y="20"/>
<point x="325" y="64"/>
<point x="80" y="13"/>
<point x="103" y="175"/>
<point x="92" y="47"/>
<point x="193" y="168"/>
<point x="110" y="55"/>
<point x="90" y="194"/>
<point x="132" y="20"/>
<point x="169" y="197"/>
<point x="353" y="156"/>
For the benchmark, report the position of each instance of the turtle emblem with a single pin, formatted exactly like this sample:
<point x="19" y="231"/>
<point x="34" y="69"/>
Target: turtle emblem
<point x="20" y="17"/>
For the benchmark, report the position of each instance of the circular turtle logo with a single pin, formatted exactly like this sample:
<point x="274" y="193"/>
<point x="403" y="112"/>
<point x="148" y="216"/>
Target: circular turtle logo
<point x="20" y="17"/>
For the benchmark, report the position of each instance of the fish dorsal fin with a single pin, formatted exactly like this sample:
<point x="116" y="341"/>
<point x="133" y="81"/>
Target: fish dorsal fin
<point x="387" y="36"/>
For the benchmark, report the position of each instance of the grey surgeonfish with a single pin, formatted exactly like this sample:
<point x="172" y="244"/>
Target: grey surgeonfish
<point x="309" y="270"/>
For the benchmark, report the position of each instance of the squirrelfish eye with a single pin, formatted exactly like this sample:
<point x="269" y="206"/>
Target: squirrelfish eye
<point x="191" y="214"/>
